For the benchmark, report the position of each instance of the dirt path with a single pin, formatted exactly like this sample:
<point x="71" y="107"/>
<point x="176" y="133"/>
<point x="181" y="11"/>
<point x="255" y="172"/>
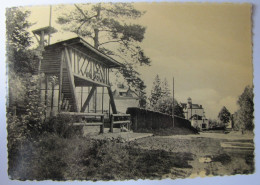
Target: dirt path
<point x="230" y="136"/>
<point x="213" y="153"/>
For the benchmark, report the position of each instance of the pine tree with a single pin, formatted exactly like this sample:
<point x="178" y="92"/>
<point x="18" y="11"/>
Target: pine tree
<point x="156" y="92"/>
<point x="109" y="27"/>
<point x="165" y="88"/>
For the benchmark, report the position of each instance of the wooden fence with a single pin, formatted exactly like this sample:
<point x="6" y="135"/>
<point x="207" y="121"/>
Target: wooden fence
<point x="146" y="119"/>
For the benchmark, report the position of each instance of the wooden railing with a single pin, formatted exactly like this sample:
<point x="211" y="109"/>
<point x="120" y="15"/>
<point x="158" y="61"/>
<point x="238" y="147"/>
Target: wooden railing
<point x="121" y="119"/>
<point x="85" y="117"/>
<point x="88" y="67"/>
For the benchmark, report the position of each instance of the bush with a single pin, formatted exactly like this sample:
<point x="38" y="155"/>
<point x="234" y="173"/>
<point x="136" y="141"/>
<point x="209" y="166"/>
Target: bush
<point x="56" y="158"/>
<point x="62" y="126"/>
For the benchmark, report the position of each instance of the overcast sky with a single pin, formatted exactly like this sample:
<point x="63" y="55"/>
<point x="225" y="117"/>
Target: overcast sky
<point x="205" y="46"/>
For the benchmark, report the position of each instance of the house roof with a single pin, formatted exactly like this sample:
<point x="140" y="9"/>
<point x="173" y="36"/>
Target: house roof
<point x="194" y="106"/>
<point x="110" y="62"/>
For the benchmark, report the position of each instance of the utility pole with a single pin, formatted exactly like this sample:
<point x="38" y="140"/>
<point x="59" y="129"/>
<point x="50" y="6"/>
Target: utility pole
<point x="49" y="39"/>
<point x="173" y="102"/>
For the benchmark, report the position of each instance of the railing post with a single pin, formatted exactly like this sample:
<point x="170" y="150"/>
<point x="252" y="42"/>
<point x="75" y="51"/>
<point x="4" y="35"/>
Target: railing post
<point x="111" y="123"/>
<point x="102" y="126"/>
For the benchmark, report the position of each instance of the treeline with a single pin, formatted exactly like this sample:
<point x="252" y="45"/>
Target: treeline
<point x="161" y="99"/>
<point x="243" y="118"/>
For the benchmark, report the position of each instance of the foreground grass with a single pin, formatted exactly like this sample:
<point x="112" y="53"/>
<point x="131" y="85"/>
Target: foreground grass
<point x="56" y="158"/>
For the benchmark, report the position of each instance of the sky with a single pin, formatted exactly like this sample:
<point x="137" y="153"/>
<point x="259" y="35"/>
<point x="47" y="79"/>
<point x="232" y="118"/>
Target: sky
<point x="206" y="47"/>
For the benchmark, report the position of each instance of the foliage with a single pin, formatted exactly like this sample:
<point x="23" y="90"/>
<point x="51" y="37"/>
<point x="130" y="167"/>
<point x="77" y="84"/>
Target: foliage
<point x="224" y="115"/>
<point x="160" y="99"/>
<point x="156" y="92"/>
<point x="61" y="125"/>
<point x="21" y="61"/>
<point x="243" y="118"/>
<point x="110" y="28"/>
<point x="165" y="88"/>
<point x="20" y="58"/>
<point x="213" y="123"/>
<point x="164" y="105"/>
<point x="56" y="158"/>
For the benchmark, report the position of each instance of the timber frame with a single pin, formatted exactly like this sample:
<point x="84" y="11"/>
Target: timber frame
<point x="77" y="64"/>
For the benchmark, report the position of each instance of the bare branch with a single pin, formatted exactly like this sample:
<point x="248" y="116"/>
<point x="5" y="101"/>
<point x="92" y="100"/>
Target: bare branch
<point x="81" y="11"/>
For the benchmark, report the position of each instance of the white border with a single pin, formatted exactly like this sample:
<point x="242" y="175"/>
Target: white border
<point x="227" y="180"/>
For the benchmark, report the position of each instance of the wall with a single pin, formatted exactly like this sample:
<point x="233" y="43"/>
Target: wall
<point x="146" y="119"/>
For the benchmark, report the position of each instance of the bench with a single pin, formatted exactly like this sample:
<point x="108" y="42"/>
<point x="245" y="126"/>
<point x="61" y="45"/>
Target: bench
<point x="121" y="122"/>
<point x="82" y="115"/>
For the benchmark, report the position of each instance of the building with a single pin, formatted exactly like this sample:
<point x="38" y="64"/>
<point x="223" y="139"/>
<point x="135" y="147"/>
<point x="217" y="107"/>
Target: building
<point x="125" y="97"/>
<point x="195" y="114"/>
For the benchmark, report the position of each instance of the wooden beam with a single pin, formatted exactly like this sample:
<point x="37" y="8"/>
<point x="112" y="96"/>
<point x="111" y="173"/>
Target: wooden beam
<point x="88" y="99"/>
<point x="90" y="80"/>
<point x="71" y="80"/>
<point x="60" y="82"/>
<point x="112" y="101"/>
<point x="102" y="100"/>
<point x="81" y="114"/>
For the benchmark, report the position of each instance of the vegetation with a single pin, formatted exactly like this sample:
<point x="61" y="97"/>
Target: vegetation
<point x="156" y="92"/>
<point x="110" y="28"/>
<point x="57" y="158"/>
<point x="244" y="117"/>
<point x="160" y="99"/>
<point x="224" y="115"/>
<point x="20" y="59"/>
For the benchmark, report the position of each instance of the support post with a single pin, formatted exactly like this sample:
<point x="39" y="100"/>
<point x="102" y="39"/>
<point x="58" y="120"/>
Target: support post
<point x="102" y="100"/>
<point x="111" y="123"/>
<point x="113" y="105"/>
<point x="173" y="103"/>
<point x="88" y="99"/>
<point x="102" y="126"/>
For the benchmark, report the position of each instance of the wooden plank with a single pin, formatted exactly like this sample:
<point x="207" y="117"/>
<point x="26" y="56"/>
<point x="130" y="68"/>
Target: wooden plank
<point x="81" y="114"/>
<point x="71" y="80"/>
<point x="88" y="99"/>
<point x="85" y="71"/>
<point x="102" y="108"/>
<point x="121" y="115"/>
<point x="88" y="124"/>
<point x="112" y="101"/>
<point x="121" y="122"/>
<point x="90" y="80"/>
<point x="60" y="82"/>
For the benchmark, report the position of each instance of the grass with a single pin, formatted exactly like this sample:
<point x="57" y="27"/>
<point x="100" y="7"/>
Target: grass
<point x="56" y="158"/>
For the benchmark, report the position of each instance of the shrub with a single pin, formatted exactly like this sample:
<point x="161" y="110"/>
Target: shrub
<point x="62" y="126"/>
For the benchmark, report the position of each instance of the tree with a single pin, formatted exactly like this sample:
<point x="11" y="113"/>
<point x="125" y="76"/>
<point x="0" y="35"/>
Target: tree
<point x="20" y="59"/>
<point x="224" y="115"/>
<point x="109" y="27"/>
<point x="164" y="105"/>
<point x="165" y="88"/>
<point x="243" y="118"/>
<point x="213" y="123"/>
<point x="156" y="92"/>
